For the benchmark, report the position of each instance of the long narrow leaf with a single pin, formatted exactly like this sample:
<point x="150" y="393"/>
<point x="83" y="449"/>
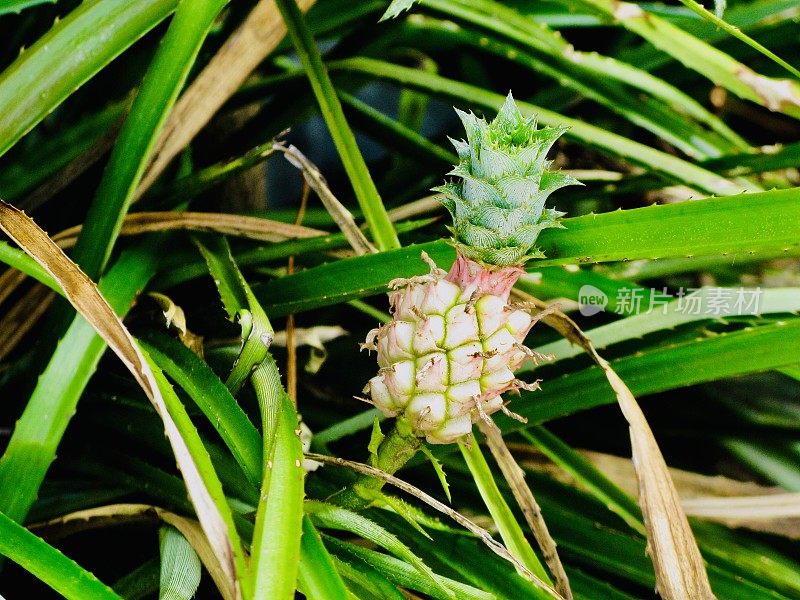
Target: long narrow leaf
<point x="717" y="20"/>
<point x="515" y="477"/>
<point x="276" y="540"/>
<point x="602" y="66"/>
<point x="507" y="524"/>
<point x="38" y="432"/>
<point x="335" y="517"/>
<point x="660" y="162"/>
<point x="367" y="194"/>
<point x="697" y="361"/>
<point x="160" y="87"/>
<point x="587" y="474"/>
<point x="203" y="486"/>
<point x="48" y="564"/>
<point x="782" y="95"/>
<point x="679" y="567"/>
<point x="318" y="575"/>
<point x="275" y="549"/>
<point x="674" y="313"/>
<point x="213" y="398"/>
<point x="591" y="75"/>
<point x="50" y="70"/>
<point x="404" y="574"/>
<point x="739" y="226"/>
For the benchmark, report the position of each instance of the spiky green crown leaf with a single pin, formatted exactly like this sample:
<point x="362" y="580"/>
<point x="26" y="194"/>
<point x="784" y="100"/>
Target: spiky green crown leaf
<point x="498" y="204"/>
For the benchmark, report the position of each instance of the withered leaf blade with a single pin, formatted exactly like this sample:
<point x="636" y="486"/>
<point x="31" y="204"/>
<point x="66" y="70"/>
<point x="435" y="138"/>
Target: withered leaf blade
<point x="121" y="514"/>
<point x="254" y="228"/>
<point x="339" y="213"/>
<point x="515" y="477"/>
<point x="733" y="503"/>
<point x="679" y="568"/>
<point x="245" y="49"/>
<point x="680" y="572"/>
<point x="87" y="300"/>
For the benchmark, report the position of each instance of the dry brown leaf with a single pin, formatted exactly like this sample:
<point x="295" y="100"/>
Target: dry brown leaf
<point x="175" y="320"/>
<point x="776" y="94"/>
<point x="23" y="316"/>
<point x="423" y="206"/>
<point x="784" y="505"/>
<point x="680" y="572"/>
<point x="73" y="170"/>
<point x="253" y="228"/>
<point x="690" y="485"/>
<point x="778" y="514"/>
<point x="620" y="471"/>
<point x="515" y="477"/>
<point x="714" y="498"/>
<point x="343" y="218"/>
<point x="104" y="516"/>
<point x="10" y="280"/>
<point x="248" y="46"/>
<point x="87" y="300"/>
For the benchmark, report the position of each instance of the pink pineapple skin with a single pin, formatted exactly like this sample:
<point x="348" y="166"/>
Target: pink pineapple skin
<point x="489" y="279"/>
<point x="450" y="350"/>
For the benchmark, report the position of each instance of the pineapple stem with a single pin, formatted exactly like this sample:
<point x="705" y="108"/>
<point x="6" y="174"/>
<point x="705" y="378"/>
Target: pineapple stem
<point x="397" y="448"/>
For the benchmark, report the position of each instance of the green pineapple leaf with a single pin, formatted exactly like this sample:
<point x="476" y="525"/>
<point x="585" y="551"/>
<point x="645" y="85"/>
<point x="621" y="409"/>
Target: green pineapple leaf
<point x="375" y="438"/>
<point x="437" y="466"/>
<point x="395" y="8"/>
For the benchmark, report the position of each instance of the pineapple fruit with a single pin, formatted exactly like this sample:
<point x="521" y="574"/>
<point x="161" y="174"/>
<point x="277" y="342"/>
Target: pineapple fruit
<point x="454" y="341"/>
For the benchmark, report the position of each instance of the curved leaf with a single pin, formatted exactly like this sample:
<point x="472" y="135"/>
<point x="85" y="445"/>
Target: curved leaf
<point x="748" y="225"/>
<point x="48" y="564"/>
<point x="50" y="70"/>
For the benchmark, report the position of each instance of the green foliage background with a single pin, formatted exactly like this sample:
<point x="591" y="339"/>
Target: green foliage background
<point x="683" y="129"/>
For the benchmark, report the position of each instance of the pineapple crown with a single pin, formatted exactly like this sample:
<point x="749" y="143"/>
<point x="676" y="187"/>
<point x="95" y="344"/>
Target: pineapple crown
<point x="498" y="204"/>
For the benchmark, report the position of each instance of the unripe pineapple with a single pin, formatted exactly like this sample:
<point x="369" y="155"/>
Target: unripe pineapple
<point x="450" y="350"/>
<point x="454" y="342"/>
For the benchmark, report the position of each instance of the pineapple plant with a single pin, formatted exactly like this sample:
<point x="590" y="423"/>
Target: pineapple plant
<point x="71" y="88"/>
<point x="450" y="351"/>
